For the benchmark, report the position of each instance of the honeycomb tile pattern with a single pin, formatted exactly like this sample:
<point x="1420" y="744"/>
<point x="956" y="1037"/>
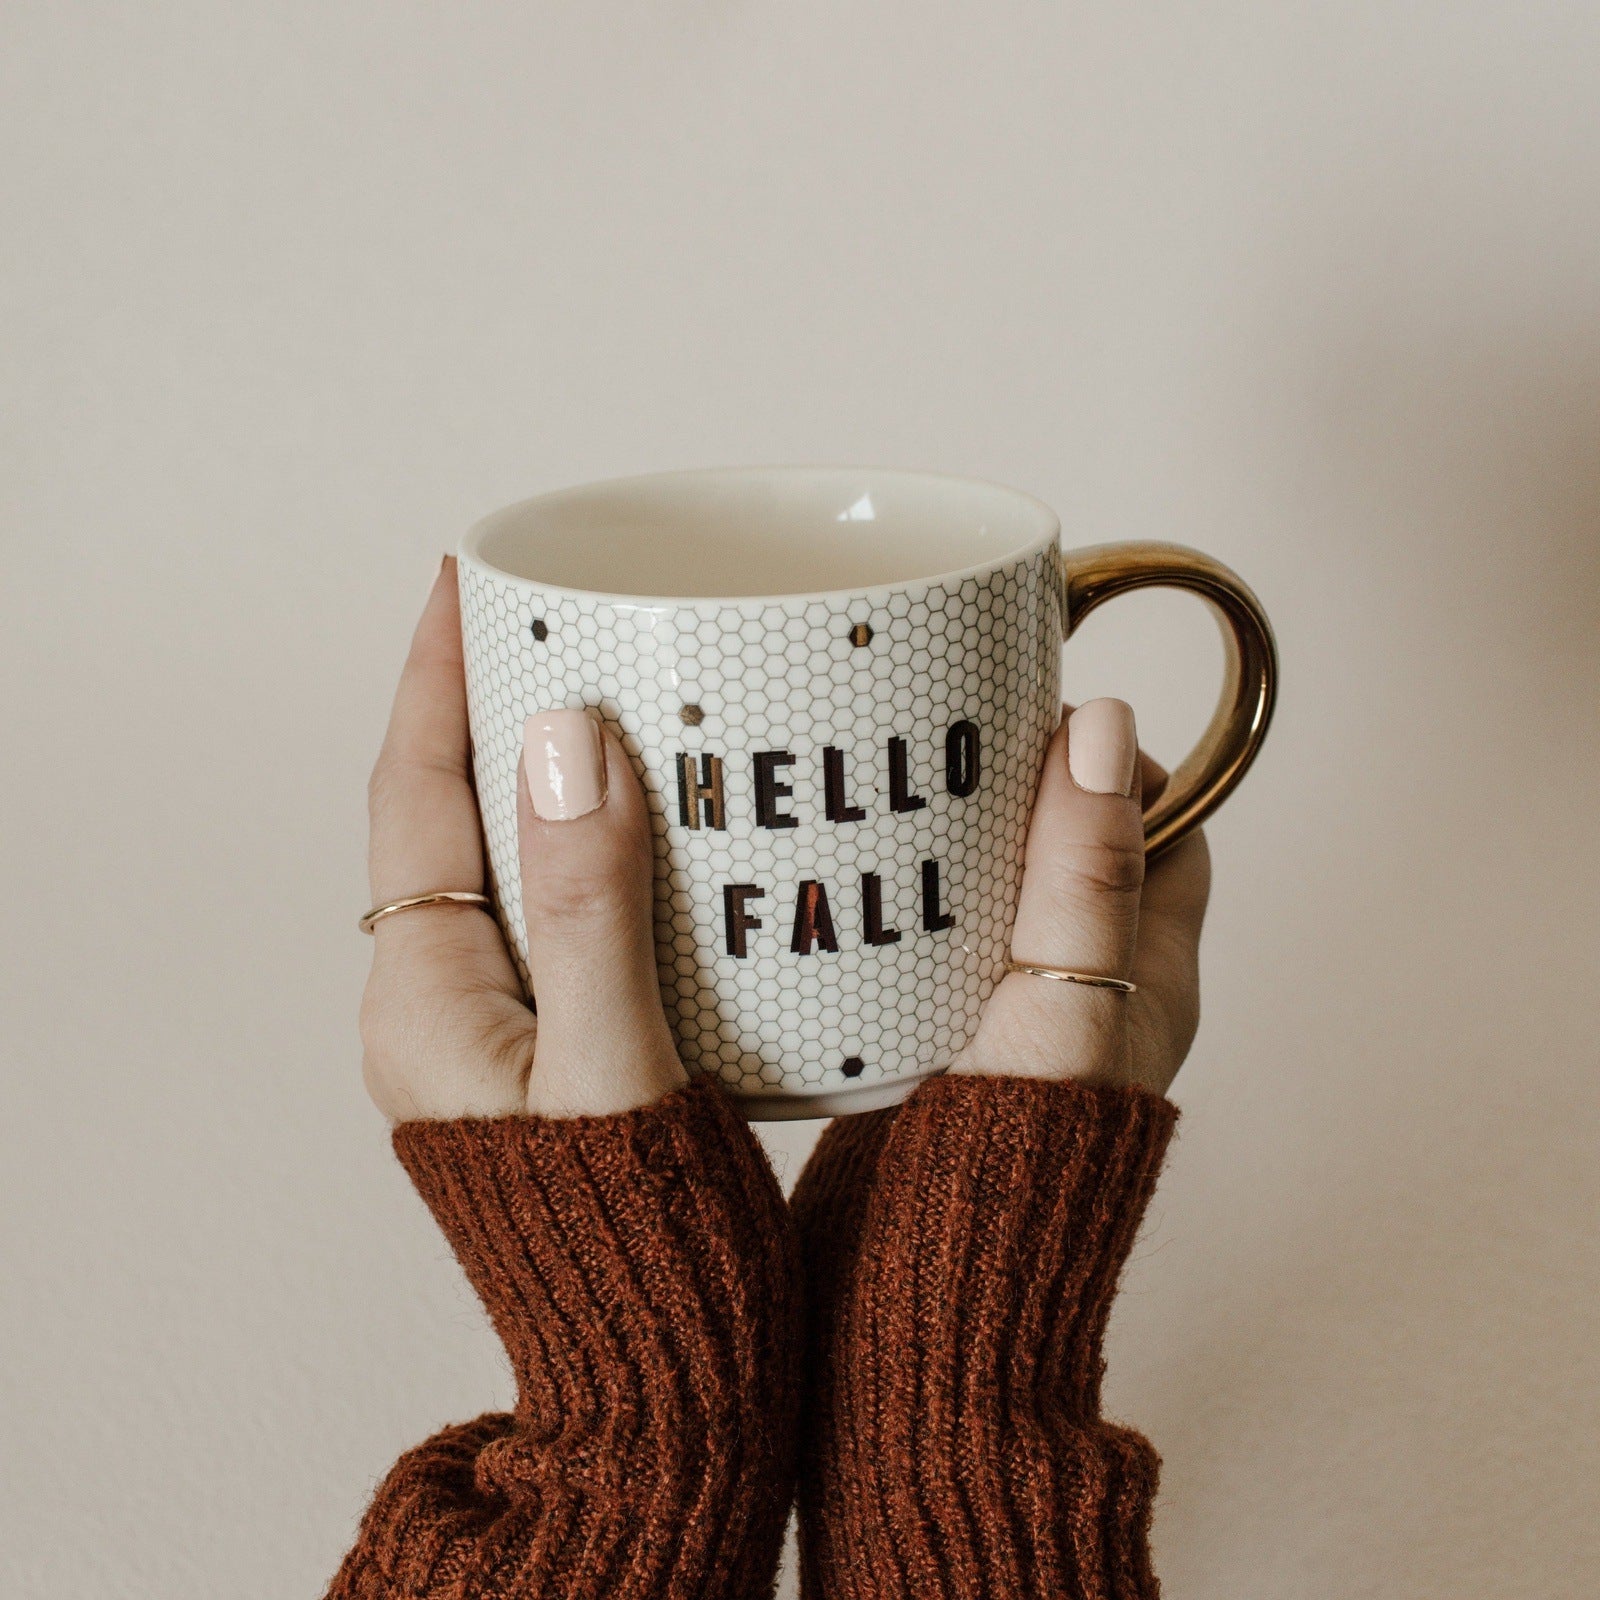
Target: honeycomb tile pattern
<point x="798" y="675"/>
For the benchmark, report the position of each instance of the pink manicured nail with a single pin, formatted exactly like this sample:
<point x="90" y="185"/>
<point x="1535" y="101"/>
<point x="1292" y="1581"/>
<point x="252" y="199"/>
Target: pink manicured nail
<point x="1102" y="747"/>
<point x="564" y="761"/>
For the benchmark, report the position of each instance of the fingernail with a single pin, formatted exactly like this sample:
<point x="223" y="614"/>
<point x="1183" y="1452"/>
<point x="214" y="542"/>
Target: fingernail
<point x="1102" y="747"/>
<point x="564" y="759"/>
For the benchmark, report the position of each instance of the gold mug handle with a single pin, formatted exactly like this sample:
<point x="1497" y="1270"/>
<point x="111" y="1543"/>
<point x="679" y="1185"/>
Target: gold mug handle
<point x="1211" y="771"/>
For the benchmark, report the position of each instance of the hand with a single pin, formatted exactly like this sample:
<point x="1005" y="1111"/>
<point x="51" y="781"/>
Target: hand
<point x="445" y="1030"/>
<point x="1088" y="903"/>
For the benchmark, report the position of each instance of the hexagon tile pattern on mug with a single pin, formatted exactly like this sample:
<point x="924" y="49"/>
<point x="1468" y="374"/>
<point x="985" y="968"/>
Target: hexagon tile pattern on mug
<point x="861" y="858"/>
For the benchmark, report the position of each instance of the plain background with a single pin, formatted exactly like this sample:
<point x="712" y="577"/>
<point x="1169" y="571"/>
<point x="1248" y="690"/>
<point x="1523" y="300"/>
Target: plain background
<point x="291" y="293"/>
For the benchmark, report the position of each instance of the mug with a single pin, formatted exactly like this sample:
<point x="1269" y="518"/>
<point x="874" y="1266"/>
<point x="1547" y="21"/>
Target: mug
<point x="836" y="685"/>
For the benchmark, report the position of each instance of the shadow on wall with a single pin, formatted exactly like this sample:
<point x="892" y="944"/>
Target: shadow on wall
<point x="1373" y="1350"/>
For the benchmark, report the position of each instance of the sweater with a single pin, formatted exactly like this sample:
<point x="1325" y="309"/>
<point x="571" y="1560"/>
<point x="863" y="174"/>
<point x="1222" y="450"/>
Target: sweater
<point x="915" y="1340"/>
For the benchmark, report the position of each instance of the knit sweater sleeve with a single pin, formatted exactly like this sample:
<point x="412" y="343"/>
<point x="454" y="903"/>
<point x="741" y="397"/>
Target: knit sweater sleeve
<point x="640" y="1273"/>
<point x="962" y="1253"/>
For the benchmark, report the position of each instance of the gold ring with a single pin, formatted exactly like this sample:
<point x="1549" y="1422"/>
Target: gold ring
<point x="436" y="897"/>
<point x="1066" y="975"/>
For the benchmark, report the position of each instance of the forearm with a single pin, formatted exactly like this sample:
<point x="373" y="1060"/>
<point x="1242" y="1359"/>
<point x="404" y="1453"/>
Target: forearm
<point x="962" y="1254"/>
<point x="639" y="1271"/>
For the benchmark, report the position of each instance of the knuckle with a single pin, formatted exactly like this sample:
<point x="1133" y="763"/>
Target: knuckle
<point x="1103" y="868"/>
<point x="400" y="772"/>
<point x="578" y="893"/>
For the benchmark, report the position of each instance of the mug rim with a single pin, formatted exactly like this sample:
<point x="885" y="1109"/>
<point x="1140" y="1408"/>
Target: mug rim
<point x="469" y="549"/>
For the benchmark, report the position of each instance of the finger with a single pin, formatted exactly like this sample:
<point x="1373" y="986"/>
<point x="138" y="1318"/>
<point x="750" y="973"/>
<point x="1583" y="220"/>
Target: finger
<point x="421" y="797"/>
<point x="444" y="1026"/>
<point x="1165" y="1014"/>
<point x="1177" y="885"/>
<point x="424" y="816"/>
<point x="1079" y="905"/>
<point x="1178" y="882"/>
<point x="1078" y="908"/>
<point x="587" y="895"/>
<point x="441" y="975"/>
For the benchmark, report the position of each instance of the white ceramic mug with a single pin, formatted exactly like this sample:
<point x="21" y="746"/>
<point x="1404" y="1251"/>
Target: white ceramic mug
<point x="837" y="685"/>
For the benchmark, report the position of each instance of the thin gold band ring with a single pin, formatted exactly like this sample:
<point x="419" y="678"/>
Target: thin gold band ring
<point x="1092" y="980"/>
<point x="435" y="897"/>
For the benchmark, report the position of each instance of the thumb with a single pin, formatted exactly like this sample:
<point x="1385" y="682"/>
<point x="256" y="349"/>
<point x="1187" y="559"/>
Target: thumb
<point x="1078" y="909"/>
<point x="1079" y="905"/>
<point x="603" y="1043"/>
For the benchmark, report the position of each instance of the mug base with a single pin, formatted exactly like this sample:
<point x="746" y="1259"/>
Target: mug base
<point x="834" y="1103"/>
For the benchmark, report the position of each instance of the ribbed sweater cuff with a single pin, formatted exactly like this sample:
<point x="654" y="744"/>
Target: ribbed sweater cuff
<point x="638" y="1269"/>
<point x="1015" y="1203"/>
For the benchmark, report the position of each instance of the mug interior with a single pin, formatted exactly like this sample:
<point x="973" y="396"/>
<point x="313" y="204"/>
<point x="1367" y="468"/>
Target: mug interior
<point x="759" y="531"/>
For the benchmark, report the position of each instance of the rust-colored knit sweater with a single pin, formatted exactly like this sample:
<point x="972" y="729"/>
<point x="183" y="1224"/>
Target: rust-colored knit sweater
<point x="642" y="1272"/>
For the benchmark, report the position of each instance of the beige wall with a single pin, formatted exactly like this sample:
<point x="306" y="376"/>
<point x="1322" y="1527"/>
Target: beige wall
<point x="290" y="292"/>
